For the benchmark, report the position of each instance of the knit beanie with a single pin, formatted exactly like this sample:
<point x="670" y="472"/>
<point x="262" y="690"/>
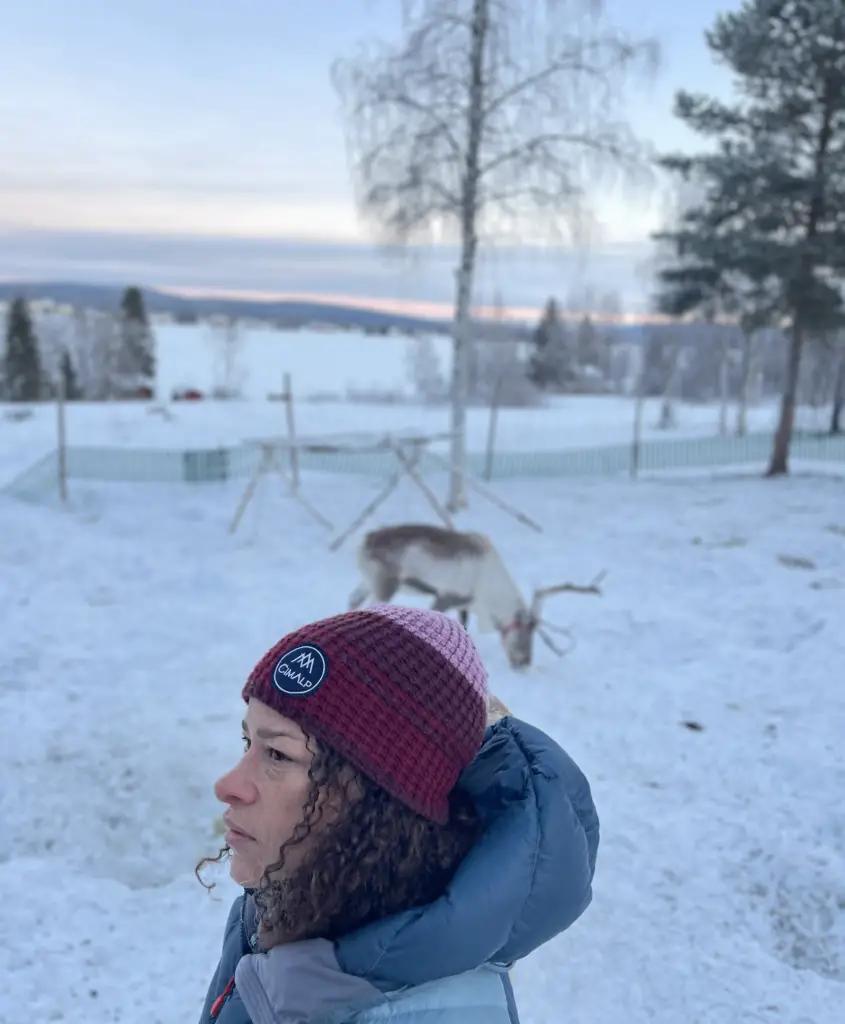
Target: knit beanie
<point x="400" y="693"/>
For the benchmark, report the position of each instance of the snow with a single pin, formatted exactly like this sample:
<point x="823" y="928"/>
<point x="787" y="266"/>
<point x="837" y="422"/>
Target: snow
<point x="318" y="360"/>
<point x="565" y="423"/>
<point x="130" y="621"/>
<point x="328" y="362"/>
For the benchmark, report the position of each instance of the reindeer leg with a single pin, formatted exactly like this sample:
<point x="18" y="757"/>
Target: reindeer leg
<point x="463" y="617"/>
<point x="385" y="586"/>
<point x="446" y="602"/>
<point x="358" y="596"/>
<point x="420" y="586"/>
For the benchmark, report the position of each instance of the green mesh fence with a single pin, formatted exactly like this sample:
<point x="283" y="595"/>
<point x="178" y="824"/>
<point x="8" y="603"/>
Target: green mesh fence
<point x="153" y="465"/>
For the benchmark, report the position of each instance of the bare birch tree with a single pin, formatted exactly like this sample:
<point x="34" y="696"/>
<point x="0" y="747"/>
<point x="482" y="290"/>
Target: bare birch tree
<point x="746" y="375"/>
<point x="424" y="370"/>
<point x="227" y="344"/>
<point x="54" y="332"/>
<point x="725" y="353"/>
<point x="96" y="342"/>
<point x="488" y="116"/>
<point x="671" y="391"/>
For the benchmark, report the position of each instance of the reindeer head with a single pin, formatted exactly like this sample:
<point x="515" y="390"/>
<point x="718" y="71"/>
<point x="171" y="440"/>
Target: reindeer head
<point x="518" y="635"/>
<point x="518" y="638"/>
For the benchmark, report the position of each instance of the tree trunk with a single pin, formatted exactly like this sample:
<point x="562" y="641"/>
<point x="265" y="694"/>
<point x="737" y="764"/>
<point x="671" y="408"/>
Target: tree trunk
<point x="745" y="383"/>
<point x="724" y="384"/>
<point x="469" y="244"/>
<point x="460" y="376"/>
<point x="779" y="464"/>
<point x="838" y="397"/>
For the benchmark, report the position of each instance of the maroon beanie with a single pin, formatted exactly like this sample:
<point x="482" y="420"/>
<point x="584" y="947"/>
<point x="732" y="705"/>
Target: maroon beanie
<point x="400" y="693"/>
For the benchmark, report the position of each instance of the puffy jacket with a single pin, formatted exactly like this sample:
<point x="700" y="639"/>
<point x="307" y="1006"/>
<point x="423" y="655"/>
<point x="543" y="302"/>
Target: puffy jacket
<point x="528" y="878"/>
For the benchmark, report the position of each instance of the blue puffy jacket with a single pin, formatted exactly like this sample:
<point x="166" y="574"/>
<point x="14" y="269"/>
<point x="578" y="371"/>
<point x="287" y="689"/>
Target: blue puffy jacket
<point x="527" y="879"/>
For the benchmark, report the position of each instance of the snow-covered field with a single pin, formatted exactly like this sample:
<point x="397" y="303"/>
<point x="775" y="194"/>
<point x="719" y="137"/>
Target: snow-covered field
<point x="328" y="362"/>
<point x="318" y="361"/>
<point x="126" y="632"/>
<point x="574" y="422"/>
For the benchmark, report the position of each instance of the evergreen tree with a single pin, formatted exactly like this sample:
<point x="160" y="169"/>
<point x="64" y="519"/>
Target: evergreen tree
<point x="135" y="358"/>
<point x="774" y="187"/>
<point x="70" y="384"/>
<point x="550" y="365"/>
<point x="591" y="346"/>
<point x="21" y="362"/>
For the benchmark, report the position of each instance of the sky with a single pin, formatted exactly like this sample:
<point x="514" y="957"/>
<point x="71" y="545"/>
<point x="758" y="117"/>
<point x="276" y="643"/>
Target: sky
<point x="183" y="140"/>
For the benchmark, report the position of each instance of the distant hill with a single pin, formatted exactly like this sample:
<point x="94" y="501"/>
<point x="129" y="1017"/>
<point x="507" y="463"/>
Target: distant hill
<point x="281" y="313"/>
<point x="286" y="313"/>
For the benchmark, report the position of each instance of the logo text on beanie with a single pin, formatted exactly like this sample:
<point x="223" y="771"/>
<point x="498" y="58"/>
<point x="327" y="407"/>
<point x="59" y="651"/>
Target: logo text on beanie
<point x="299" y="672"/>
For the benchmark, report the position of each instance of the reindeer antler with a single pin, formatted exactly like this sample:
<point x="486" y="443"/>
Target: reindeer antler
<point x="553" y="647"/>
<point x="569" y="588"/>
<point x="572" y="588"/>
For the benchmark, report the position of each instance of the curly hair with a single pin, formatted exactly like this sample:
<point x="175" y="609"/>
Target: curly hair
<point x="376" y="857"/>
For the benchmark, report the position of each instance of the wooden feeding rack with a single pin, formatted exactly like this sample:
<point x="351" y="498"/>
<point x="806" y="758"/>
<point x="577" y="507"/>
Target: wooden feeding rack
<point x="278" y="456"/>
<point x="408" y="449"/>
<point x="281" y="455"/>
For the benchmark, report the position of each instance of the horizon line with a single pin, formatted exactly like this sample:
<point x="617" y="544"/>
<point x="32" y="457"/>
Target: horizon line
<point x="422" y="308"/>
<point x="406" y="307"/>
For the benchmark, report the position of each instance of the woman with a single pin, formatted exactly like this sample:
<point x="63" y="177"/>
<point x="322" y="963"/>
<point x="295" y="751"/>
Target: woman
<point x="397" y="858"/>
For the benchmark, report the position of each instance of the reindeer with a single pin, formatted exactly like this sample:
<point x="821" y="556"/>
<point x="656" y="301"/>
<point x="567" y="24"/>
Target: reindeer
<point x="461" y="571"/>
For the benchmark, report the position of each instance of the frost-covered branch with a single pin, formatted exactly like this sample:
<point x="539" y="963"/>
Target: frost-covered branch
<point x="546" y="114"/>
<point x="488" y="115"/>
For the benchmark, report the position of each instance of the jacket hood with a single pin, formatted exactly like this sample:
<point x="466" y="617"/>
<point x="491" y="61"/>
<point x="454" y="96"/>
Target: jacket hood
<point x="528" y="878"/>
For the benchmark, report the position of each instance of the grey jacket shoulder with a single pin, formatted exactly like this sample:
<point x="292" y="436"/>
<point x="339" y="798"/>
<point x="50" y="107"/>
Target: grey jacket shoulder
<point x="301" y="982"/>
<point x="235" y="946"/>
<point x="481" y="996"/>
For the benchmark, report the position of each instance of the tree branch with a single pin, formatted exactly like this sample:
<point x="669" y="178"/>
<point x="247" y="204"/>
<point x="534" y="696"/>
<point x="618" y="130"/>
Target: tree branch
<point x="541" y="127"/>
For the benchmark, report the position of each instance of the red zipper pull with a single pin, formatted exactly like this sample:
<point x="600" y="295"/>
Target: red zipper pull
<point x="217" y="1005"/>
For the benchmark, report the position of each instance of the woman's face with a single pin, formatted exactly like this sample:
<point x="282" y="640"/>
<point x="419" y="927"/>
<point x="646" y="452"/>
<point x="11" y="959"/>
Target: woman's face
<point x="266" y="792"/>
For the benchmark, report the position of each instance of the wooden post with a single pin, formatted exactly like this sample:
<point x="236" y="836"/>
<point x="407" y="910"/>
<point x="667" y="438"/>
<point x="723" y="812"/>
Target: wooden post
<point x="724" y="382"/>
<point x="410" y="464"/>
<point x="249" y="491"/>
<point x="491" y="426"/>
<point x="638" y="429"/>
<point x="61" y="442"/>
<point x="294" y="452"/>
<point x="490" y="495"/>
<point x="379" y="499"/>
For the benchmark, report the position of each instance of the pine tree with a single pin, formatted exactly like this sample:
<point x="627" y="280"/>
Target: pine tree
<point x="591" y="346"/>
<point x="70" y="384"/>
<point x="550" y="365"/>
<point x="21" y="362"/>
<point x="774" y="188"/>
<point x="135" y="361"/>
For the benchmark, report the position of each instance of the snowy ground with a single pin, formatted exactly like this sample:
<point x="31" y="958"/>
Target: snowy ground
<point x="565" y="423"/>
<point x="318" y="361"/>
<point x="126" y="631"/>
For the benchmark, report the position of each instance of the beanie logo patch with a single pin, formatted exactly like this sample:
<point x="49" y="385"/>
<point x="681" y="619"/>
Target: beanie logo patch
<point x="301" y="671"/>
